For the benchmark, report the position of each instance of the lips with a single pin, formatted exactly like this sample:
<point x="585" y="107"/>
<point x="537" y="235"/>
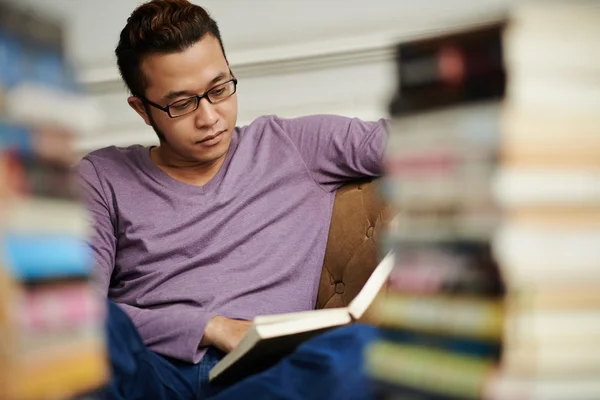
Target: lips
<point x="206" y="139"/>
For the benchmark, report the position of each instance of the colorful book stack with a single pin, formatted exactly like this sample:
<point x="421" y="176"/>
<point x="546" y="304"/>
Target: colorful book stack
<point x="52" y="344"/>
<point x="548" y="247"/>
<point x="442" y="316"/>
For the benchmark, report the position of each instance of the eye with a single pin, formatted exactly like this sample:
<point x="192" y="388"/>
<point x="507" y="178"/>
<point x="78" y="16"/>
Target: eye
<point x="218" y="92"/>
<point x="183" y="104"/>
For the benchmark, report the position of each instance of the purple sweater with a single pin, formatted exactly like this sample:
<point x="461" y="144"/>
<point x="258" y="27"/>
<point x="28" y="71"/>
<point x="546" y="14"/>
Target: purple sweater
<point x="249" y="242"/>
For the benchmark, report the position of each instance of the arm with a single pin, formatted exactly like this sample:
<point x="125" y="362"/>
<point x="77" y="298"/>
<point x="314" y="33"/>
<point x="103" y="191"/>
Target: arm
<point x="336" y="149"/>
<point x="176" y="331"/>
<point x="179" y="331"/>
<point x="103" y="239"/>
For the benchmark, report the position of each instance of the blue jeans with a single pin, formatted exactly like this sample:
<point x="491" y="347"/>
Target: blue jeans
<point x="139" y="373"/>
<point x="328" y="366"/>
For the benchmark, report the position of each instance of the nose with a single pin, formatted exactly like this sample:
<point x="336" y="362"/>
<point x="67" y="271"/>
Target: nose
<point x="206" y="115"/>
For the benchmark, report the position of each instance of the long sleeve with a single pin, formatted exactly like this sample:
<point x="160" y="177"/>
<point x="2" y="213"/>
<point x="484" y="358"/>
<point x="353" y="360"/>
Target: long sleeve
<point x="174" y="330"/>
<point x="103" y="241"/>
<point x="336" y="149"/>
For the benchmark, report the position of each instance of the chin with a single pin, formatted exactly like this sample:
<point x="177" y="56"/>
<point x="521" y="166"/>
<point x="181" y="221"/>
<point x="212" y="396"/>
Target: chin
<point x="214" y="152"/>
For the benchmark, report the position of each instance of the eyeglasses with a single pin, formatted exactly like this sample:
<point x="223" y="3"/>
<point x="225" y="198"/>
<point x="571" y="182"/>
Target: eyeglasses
<point x="190" y="104"/>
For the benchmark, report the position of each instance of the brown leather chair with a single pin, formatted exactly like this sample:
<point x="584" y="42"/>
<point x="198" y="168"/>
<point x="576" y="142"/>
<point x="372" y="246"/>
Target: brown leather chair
<point x="352" y="253"/>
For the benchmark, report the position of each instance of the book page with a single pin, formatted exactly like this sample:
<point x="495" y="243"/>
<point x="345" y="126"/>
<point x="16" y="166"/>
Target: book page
<point x="271" y="331"/>
<point x="365" y="297"/>
<point x="317" y="319"/>
<point x="284" y="330"/>
<point x="312" y="314"/>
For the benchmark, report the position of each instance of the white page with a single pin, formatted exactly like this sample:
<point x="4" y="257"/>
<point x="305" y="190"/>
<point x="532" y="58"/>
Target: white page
<point x="378" y="278"/>
<point x="277" y="318"/>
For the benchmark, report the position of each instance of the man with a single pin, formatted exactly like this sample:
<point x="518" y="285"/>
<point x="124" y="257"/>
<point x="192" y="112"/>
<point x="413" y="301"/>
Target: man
<point x="218" y="223"/>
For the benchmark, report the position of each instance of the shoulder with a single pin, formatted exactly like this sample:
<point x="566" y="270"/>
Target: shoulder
<point x="260" y="125"/>
<point x="112" y="153"/>
<point x="113" y="156"/>
<point x="109" y="160"/>
<point x="263" y="128"/>
<point x="269" y="124"/>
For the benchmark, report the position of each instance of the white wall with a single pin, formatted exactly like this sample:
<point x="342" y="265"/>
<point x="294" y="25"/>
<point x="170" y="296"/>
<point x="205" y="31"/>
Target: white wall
<point x="293" y="57"/>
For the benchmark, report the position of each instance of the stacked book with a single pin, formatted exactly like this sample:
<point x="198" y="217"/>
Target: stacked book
<point x="548" y="247"/>
<point x="442" y="316"/>
<point x="52" y="344"/>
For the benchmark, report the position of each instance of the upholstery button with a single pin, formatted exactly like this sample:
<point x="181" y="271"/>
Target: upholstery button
<point x="370" y="232"/>
<point x="340" y="287"/>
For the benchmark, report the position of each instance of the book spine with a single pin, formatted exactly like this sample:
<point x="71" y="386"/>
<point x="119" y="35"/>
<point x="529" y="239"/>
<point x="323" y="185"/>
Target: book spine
<point x="456" y="345"/>
<point x="34" y="50"/>
<point x="16" y="138"/>
<point x="31" y="257"/>
<point x="67" y="376"/>
<point x="58" y="308"/>
<point x="569" y="360"/>
<point x="478" y="318"/>
<point x="434" y="371"/>
<point x="531" y="255"/>
<point x="438" y="267"/>
<point x="450" y="69"/>
<point x="388" y="391"/>
<point x="52" y="145"/>
<point x="581" y="297"/>
<point x="49" y="180"/>
<point x="35" y="70"/>
<point x="41" y="216"/>
<point x="52" y="342"/>
<point x="36" y="178"/>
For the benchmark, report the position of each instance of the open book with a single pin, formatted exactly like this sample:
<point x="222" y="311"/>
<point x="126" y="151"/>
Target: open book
<point x="271" y="337"/>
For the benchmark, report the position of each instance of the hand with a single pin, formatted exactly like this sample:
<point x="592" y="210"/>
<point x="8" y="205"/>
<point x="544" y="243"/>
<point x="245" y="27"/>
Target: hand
<point x="224" y="333"/>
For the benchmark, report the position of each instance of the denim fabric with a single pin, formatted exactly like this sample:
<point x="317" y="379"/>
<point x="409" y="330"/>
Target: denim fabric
<point x="138" y="373"/>
<point x="210" y="359"/>
<point x="327" y="367"/>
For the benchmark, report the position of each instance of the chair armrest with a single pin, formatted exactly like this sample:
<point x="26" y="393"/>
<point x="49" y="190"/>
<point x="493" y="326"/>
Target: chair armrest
<point x="352" y="253"/>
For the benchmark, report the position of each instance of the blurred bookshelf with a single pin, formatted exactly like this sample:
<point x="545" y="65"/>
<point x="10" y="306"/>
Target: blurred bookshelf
<point x="492" y="161"/>
<point x="549" y="238"/>
<point x="443" y="314"/>
<point x="52" y="343"/>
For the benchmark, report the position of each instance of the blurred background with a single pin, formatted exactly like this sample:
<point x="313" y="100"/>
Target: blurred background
<point x="293" y="57"/>
<point x="492" y="157"/>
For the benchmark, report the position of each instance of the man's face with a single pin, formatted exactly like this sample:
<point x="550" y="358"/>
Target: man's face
<point x="203" y="135"/>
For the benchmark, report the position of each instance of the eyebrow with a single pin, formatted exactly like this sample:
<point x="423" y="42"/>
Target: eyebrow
<point x="174" y="94"/>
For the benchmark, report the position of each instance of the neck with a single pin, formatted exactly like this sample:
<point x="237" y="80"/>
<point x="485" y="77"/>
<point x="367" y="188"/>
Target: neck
<point x="196" y="173"/>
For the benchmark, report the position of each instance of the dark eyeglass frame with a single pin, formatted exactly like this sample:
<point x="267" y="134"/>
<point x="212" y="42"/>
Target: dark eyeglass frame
<point x="167" y="108"/>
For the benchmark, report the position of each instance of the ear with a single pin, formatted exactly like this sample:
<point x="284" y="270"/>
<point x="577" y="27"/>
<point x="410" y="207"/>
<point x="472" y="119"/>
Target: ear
<point x="138" y="106"/>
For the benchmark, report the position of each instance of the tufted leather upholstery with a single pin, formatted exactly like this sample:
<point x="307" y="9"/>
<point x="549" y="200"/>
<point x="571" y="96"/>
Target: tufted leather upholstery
<point x="352" y="252"/>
